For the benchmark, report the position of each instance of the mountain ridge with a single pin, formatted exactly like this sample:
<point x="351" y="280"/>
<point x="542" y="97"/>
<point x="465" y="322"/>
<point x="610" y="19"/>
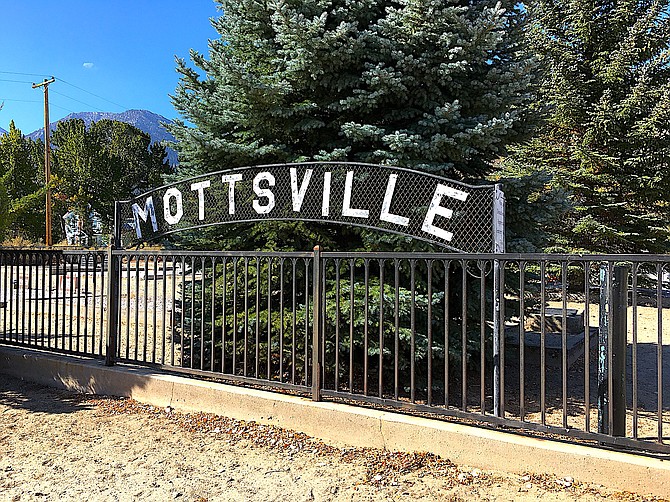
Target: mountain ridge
<point x="144" y="120"/>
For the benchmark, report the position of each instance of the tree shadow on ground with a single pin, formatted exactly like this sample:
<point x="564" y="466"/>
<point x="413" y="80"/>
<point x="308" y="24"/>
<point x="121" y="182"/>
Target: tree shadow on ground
<point x="19" y="394"/>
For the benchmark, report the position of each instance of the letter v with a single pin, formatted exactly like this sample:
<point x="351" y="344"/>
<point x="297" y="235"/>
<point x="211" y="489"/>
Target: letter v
<point x="299" y="195"/>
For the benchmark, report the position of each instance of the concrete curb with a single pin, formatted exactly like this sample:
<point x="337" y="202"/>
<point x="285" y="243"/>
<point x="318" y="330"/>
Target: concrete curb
<point x="346" y="425"/>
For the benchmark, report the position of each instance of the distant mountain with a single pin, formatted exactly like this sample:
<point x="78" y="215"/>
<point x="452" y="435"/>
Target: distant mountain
<point x="2" y="131"/>
<point x="146" y="121"/>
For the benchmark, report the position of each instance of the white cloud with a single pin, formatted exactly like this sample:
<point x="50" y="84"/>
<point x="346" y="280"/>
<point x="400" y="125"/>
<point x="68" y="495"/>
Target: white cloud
<point x="88" y="66"/>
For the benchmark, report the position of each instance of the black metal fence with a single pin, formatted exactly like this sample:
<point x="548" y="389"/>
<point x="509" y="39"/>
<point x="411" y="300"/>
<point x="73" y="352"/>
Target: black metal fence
<point x="572" y="345"/>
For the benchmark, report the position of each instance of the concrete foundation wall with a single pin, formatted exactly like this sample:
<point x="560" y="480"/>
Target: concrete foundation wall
<point x="346" y="425"/>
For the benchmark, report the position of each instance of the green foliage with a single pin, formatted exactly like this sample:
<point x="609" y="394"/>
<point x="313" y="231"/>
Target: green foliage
<point x="534" y="204"/>
<point x="441" y="87"/>
<point x="21" y="186"/>
<point x="606" y="88"/>
<point x="107" y="161"/>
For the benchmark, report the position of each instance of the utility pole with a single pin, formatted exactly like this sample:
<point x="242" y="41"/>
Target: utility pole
<point x="47" y="158"/>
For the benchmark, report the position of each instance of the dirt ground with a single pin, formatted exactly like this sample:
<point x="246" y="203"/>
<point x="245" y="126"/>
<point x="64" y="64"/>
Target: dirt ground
<point x="56" y="445"/>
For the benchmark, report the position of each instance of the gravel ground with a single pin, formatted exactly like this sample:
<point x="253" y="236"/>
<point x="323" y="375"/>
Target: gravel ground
<point x="56" y="445"/>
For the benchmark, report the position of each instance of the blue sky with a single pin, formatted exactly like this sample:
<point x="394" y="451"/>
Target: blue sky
<point x="106" y="56"/>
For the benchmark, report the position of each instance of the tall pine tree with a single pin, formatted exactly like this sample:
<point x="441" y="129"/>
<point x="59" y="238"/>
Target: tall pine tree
<point x="607" y="88"/>
<point x="427" y="84"/>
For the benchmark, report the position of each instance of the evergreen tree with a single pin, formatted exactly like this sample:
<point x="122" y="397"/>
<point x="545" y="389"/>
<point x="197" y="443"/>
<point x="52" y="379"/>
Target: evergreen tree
<point x="22" y="179"/>
<point x="107" y="161"/>
<point x="432" y="85"/>
<point x="607" y="87"/>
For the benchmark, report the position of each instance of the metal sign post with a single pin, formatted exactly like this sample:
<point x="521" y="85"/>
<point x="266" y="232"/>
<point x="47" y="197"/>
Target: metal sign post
<point x="498" y="321"/>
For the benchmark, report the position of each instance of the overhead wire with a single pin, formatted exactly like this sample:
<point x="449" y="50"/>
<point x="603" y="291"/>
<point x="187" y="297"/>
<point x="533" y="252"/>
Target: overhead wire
<point x="78" y="101"/>
<point x="91" y="93"/>
<point x="15" y="81"/>
<point x="25" y="74"/>
<point x="60" y="79"/>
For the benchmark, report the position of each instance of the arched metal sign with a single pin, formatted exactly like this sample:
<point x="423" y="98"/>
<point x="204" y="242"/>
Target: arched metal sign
<point x="451" y="214"/>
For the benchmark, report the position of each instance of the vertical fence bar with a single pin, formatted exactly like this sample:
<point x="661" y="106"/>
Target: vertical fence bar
<point x="603" y="350"/>
<point x="269" y="347"/>
<point x="145" y="336"/>
<point x="564" y="340"/>
<point x="316" y="326"/>
<point x="101" y="293"/>
<point x="12" y="306"/>
<point x="112" y="305"/>
<point x="609" y="345"/>
<point x="224" y="294"/>
<point x="155" y="309"/>
<point x="587" y="346"/>
<point x="307" y="319"/>
<point x="366" y="308"/>
<point x="482" y="337"/>
<point x="235" y="278"/>
<point x="202" y="312"/>
<point x="257" y="326"/>
<point x="413" y="331"/>
<point x="619" y="331"/>
<point x="396" y="334"/>
<point x="502" y="340"/>
<point x="129" y="259"/>
<point x="51" y="257"/>
<point x="5" y="289"/>
<point x="381" y="328"/>
<point x="213" y="317"/>
<point x="351" y="325"/>
<point x="447" y="267"/>
<point x="164" y="261"/>
<point x="246" y="315"/>
<point x="86" y="273"/>
<point x="634" y="355"/>
<point x="464" y="336"/>
<point x="23" y="299"/>
<point x="659" y="347"/>
<point x="281" y="319"/>
<point x="543" y="342"/>
<point x="57" y="287"/>
<point x="337" y="324"/>
<point x="294" y="309"/>
<point x="192" y="322"/>
<point x="138" y="259"/>
<point x="173" y="317"/>
<point x="522" y="340"/>
<point x="79" y="257"/>
<point x="43" y="259"/>
<point x="429" y="357"/>
<point x="29" y="294"/>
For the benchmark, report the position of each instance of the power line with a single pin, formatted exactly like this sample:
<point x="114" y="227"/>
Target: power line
<point x="73" y="99"/>
<point x="21" y="100"/>
<point x="61" y="107"/>
<point x="15" y="81"/>
<point x="123" y="107"/>
<point x="92" y="94"/>
<point x="24" y="74"/>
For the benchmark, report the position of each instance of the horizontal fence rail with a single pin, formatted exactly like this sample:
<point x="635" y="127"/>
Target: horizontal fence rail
<point x="560" y="344"/>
